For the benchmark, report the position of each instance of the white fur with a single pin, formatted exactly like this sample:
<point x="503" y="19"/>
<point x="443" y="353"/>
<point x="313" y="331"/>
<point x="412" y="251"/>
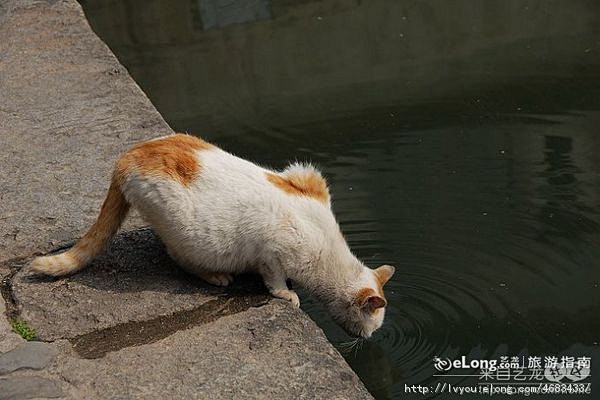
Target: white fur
<point x="232" y="219"/>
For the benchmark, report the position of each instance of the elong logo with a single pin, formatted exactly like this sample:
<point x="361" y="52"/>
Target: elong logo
<point x="445" y="364"/>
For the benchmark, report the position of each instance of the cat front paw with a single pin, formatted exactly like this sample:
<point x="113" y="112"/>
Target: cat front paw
<point x="288" y="295"/>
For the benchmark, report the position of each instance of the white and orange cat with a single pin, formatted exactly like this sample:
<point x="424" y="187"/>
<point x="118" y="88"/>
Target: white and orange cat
<point x="220" y="215"/>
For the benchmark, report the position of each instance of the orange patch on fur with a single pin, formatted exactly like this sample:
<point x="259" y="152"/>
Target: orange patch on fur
<point x="113" y="212"/>
<point x="305" y="183"/>
<point x="383" y="274"/>
<point x="172" y="157"/>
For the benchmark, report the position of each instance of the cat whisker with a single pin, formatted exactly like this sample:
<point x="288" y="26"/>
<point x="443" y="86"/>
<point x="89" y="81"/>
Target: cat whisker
<point x="345" y="345"/>
<point x="358" y="346"/>
<point x="349" y="346"/>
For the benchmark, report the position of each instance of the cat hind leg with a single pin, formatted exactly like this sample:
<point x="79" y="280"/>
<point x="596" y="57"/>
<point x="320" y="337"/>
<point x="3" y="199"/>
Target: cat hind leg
<point x="216" y="278"/>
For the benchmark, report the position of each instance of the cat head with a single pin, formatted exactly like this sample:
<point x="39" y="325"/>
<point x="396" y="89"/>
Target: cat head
<point x="361" y="311"/>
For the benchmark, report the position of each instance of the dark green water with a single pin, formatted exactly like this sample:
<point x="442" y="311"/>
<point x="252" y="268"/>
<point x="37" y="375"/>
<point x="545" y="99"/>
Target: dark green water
<point x="461" y="140"/>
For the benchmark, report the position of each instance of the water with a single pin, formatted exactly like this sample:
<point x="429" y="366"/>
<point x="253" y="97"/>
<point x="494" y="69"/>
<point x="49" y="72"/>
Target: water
<point x="460" y="139"/>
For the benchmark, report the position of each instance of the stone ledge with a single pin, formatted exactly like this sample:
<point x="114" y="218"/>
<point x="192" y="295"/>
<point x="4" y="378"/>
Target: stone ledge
<point x="67" y="109"/>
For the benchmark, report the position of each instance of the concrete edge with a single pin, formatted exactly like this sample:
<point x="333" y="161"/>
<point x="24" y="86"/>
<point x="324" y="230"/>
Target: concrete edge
<point x="67" y="74"/>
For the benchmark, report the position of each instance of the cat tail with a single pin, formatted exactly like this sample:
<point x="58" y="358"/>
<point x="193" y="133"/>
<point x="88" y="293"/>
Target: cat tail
<point x="113" y="212"/>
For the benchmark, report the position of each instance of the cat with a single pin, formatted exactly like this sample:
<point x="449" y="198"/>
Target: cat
<point x="219" y="215"/>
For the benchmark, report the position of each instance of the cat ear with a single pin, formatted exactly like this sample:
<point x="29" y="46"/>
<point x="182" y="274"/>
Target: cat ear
<point x="375" y="302"/>
<point x="384" y="273"/>
<point x="369" y="300"/>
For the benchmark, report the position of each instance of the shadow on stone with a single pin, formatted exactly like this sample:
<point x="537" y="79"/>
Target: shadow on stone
<point x="138" y="261"/>
<point x="133" y="280"/>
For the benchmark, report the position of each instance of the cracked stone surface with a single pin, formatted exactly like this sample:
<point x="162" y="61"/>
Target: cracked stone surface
<point x="29" y="355"/>
<point x="8" y="339"/>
